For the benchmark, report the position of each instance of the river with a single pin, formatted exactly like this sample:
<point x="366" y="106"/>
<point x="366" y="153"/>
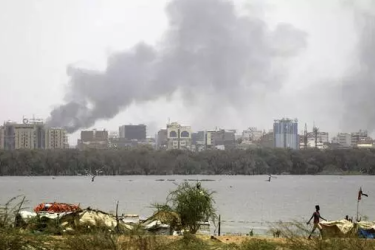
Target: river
<point x="244" y="202"/>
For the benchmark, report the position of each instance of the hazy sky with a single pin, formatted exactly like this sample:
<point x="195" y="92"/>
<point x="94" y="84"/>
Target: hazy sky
<point x="40" y="38"/>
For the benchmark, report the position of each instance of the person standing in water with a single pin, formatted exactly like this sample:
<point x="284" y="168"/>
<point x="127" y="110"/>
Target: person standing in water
<point x="316" y="216"/>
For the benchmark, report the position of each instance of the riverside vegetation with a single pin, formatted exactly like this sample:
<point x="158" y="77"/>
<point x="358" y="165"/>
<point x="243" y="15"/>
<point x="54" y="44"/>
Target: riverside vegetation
<point x="187" y="202"/>
<point x="147" y="161"/>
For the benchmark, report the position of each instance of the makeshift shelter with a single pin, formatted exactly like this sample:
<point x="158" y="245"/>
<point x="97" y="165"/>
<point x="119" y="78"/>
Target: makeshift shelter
<point x="366" y="229"/>
<point x="92" y="218"/>
<point x="337" y="228"/>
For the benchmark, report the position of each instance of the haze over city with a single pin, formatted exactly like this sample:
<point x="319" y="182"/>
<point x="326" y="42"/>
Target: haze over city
<point x="204" y="63"/>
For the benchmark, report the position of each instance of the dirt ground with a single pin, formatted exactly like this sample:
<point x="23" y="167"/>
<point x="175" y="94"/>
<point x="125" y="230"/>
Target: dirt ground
<point x="239" y="239"/>
<point x="229" y="238"/>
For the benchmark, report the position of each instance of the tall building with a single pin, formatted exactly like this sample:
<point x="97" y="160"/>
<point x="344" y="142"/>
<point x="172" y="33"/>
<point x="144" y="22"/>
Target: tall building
<point x="32" y="134"/>
<point x="162" y="139"/>
<point x="359" y="136"/>
<point x="133" y="132"/>
<point x="9" y="135"/>
<point x="198" y="141"/>
<point x="2" y="134"/>
<point x="93" y="139"/>
<point x="286" y="133"/>
<point x="179" y="137"/>
<point x="56" y="138"/>
<point x="24" y="136"/>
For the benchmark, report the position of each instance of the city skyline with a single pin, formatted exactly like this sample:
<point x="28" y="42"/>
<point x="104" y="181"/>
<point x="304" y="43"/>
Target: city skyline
<point x="73" y="138"/>
<point x="35" y="78"/>
<point x="34" y="133"/>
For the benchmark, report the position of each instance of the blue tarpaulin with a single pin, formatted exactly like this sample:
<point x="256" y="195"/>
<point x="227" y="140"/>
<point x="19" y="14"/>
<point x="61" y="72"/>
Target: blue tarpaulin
<point x="367" y="234"/>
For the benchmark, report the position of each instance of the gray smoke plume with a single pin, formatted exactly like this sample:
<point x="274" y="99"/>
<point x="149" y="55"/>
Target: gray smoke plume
<point x="208" y="49"/>
<point x="359" y="87"/>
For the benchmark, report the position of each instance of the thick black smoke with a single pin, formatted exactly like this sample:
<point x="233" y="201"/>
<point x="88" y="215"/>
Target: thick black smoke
<point x="358" y="91"/>
<point x="208" y="49"/>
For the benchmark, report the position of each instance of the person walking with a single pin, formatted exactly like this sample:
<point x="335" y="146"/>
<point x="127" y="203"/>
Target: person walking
<point x="316" y="216"/>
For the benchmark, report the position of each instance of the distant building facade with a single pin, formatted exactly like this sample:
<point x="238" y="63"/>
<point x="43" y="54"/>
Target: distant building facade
<point x="267" y="140"/>
<point x="133" y="132"/>
<point x="221" y="139"/>
<point x="179" y="137"/>
<point x="162" y="139"/>
<point x="322" y="137"/>
<point x="97" y="139"/>
<point x="56" y="138"/>
<point x="24" y="136"/>
<point x="251" y="135"/>
<point x="198" y="140"/>
<point x="2" y="141"/>
<point x="31" y="134"/>
<point x="286" y="133"/>
<point x="343" y="139"/>
<point x="314" y="140"/>
<point x="357" y="137"/>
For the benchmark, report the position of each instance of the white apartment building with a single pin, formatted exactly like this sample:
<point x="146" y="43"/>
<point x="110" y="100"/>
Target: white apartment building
<point x="344" y="139"/>
<point x="56" y="138"/>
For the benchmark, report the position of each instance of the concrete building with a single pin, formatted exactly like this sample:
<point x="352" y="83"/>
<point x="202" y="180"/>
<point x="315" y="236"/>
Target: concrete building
<point x="198" y="140"/>
<point x="286" y="133"/>
<point x="356" y="137"/>
<point x="267" y="140"/>
<point x="162" y="139"/>
<point x="251" y="135"/>
<point x="322" y="137"/>
<point x="2" y="139"/>
<point x="178" y="136"/>
<point x="311" y="144"/>
<point x="56" y="138"/>
<point x="220" y="139"/>
<point x="343" y="139"/>
<point x="133" y="132"/>
<point x="30" y="134"/>
<point x="93" y="139"/>
<point x="24" y="136"/>
<point x="9" y="135"/>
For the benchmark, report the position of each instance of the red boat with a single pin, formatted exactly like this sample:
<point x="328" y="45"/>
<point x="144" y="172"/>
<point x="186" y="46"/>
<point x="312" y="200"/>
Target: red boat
<point x="56" y="208"/>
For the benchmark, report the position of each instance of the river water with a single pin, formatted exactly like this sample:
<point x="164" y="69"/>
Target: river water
<point x="244" y="202"/>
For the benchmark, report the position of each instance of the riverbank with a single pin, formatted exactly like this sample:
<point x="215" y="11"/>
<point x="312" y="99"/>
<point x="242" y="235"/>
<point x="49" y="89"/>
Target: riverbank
<point x="105" y="241"/>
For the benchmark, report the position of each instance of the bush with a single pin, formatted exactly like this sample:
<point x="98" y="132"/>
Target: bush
<point x="192" y="203"/>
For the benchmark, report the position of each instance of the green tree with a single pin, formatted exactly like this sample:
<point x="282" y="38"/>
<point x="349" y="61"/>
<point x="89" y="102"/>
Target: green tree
<point x="192" y="203"/>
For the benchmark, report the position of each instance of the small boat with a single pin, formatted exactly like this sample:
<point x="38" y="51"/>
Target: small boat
<point x="55" y="207"/>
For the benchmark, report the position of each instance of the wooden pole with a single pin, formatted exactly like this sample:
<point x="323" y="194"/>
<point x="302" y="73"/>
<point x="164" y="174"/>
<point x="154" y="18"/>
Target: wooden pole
<point x="219" y="225"/>
<point x="357" y="210"/>
<point x="117" y="220"/>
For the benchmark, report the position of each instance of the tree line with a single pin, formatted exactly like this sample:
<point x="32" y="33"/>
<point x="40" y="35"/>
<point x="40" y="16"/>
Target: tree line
<point x="147" y="161"/>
